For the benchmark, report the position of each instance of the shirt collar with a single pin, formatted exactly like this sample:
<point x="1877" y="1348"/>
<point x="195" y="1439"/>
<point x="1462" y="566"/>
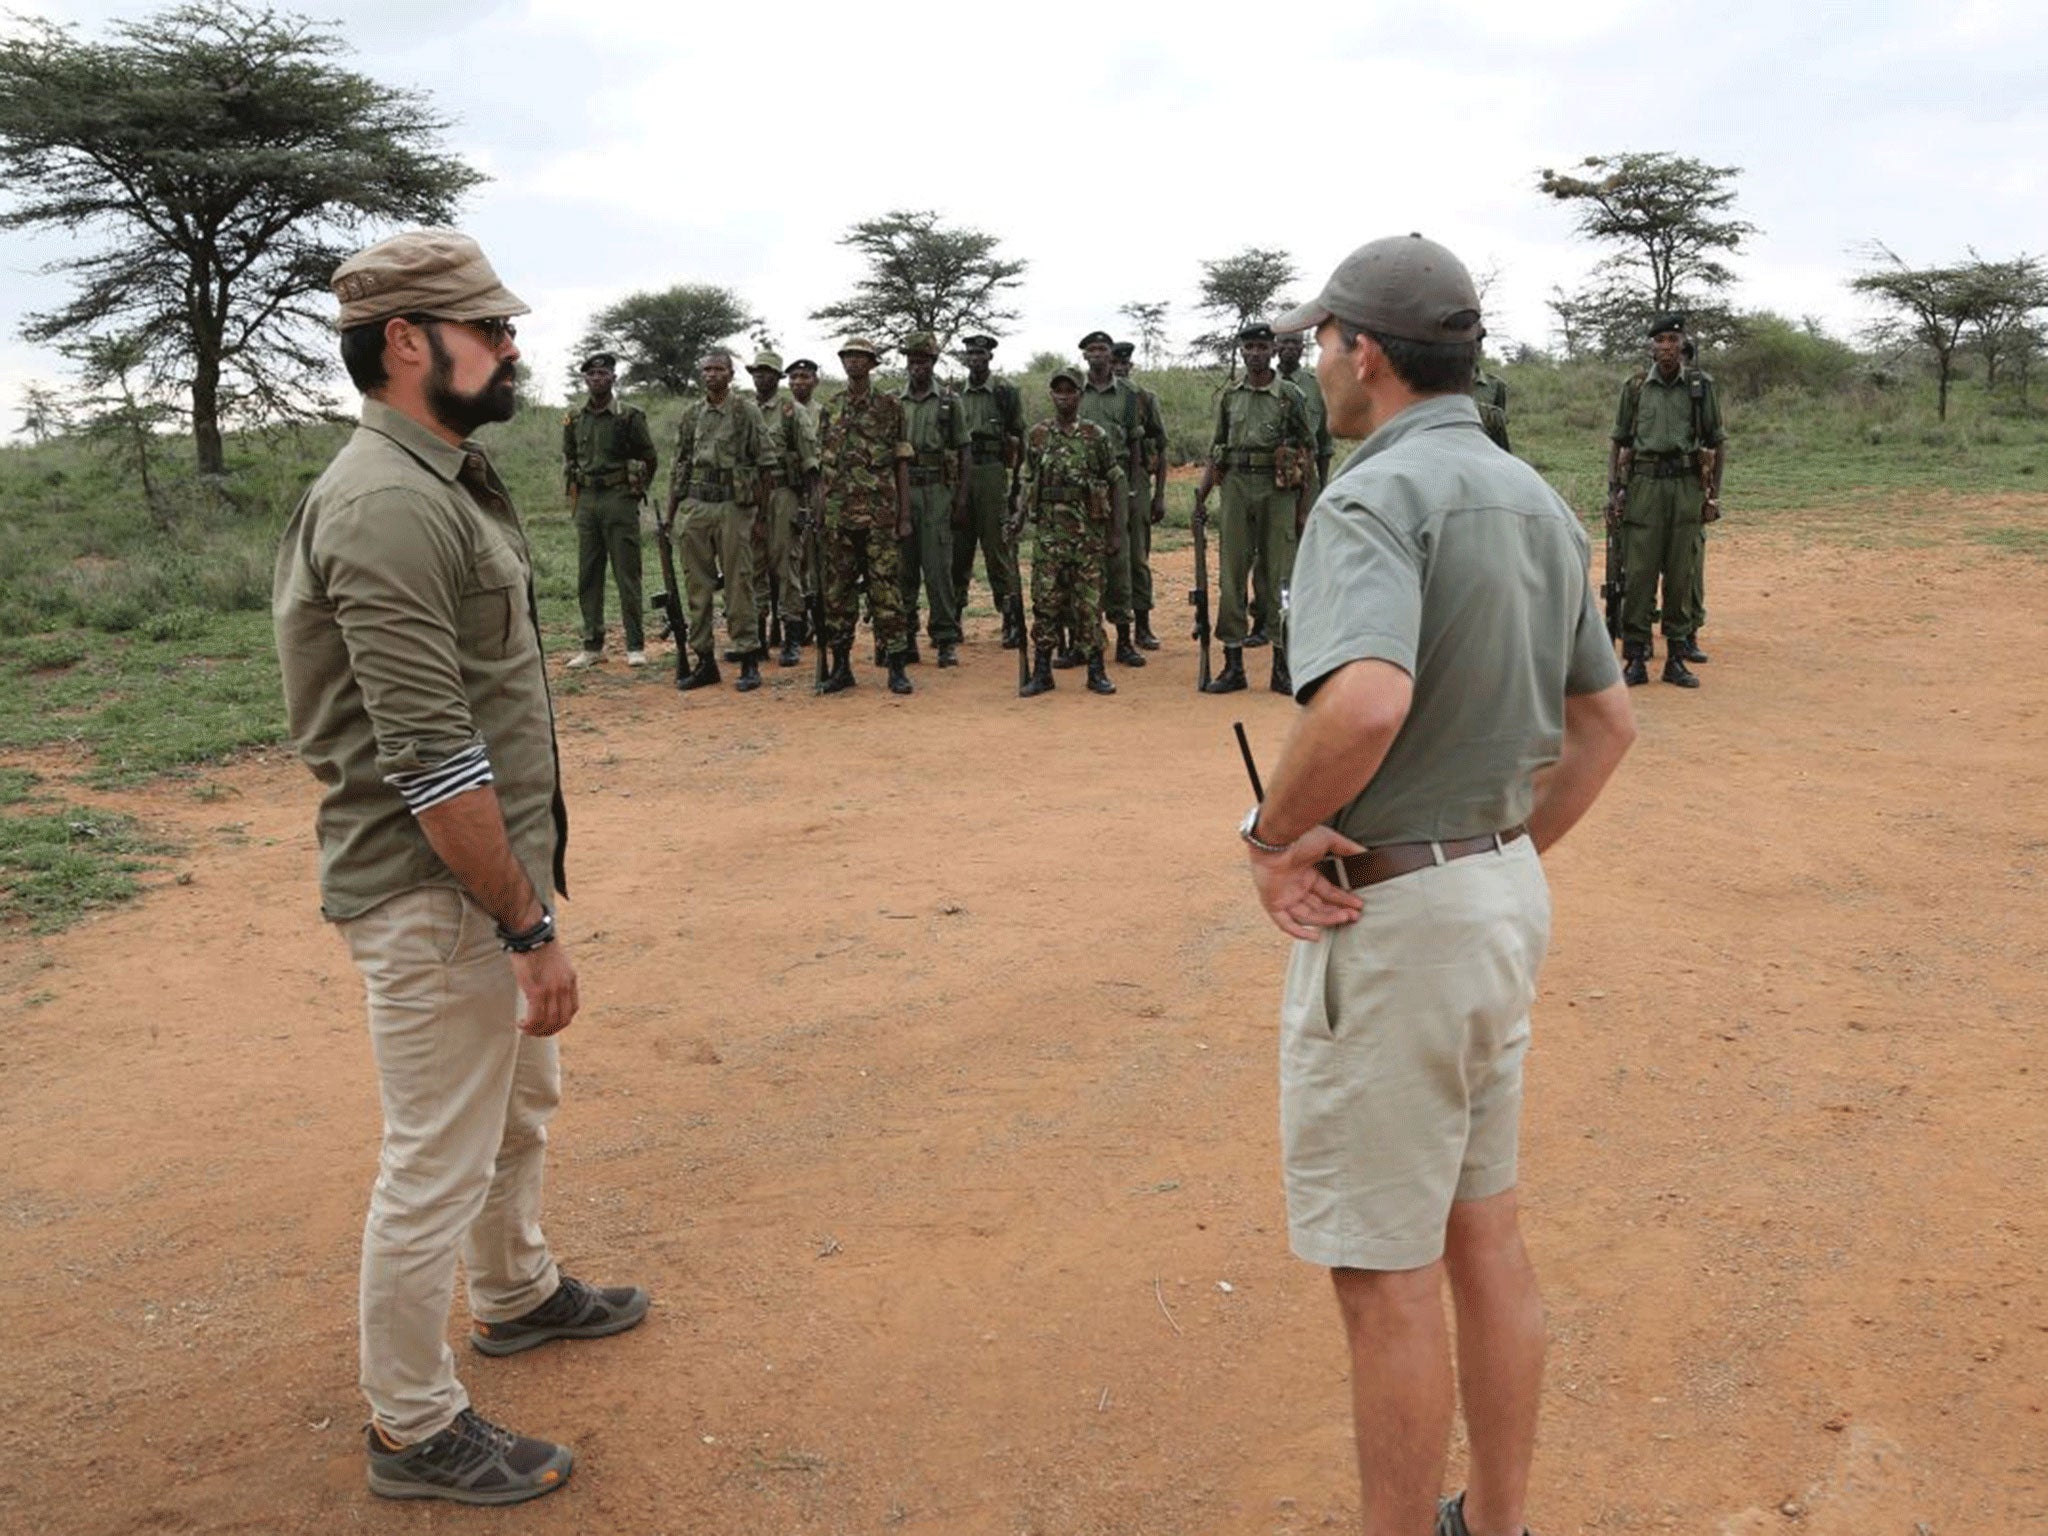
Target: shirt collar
<point x="1270" y="387"/>
<point x="592" y="408"/>
<point x="1088" y="383"/>
<point x="1426" y="415"/>
<point x="438" y="454"/>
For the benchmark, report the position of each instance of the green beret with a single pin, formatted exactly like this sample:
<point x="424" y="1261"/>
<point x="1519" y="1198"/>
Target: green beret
<point x="1674" y="321"/>
<point x="1094" y="336"/>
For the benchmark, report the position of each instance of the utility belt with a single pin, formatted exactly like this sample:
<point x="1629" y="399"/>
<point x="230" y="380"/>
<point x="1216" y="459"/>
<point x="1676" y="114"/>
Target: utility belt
<point x="1247" y="458"/>
<point x="927" y="474"/>
<point x="601" y="479"/>
<point x="1390" y="860"/>
<point x="1664" y="466"/>
<point x="988" y="452"/>
<point x="710" y="488"/>
<point x="775" y="479"/>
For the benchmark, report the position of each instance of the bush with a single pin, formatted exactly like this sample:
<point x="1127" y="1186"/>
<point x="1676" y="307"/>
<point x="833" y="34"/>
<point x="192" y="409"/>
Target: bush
<point x="1771" y="353"/>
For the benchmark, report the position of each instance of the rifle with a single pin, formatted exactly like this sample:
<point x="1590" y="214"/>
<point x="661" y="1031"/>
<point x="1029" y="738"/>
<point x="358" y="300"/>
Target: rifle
<point x="670" y="603"/>
<point x="1614" y="585"/>
<point x="814" y="600"/>
<point x="1015" y="528"/>
<point x="1198" y="597"/>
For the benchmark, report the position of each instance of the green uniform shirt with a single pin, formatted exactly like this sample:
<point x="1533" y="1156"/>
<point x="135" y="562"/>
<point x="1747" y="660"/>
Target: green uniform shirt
<point x="1490" y="389"/>
<point x="1254" y="419"/>
<point x="1434" y="551"/>
<point x="1657" y="415"/>
<point x="994" y="415"/>
<point x="1151" y="429"/>
<point x="1114" y="408"/>
<point x="793" y="431"/>
<point x="722" y="450"/>
<point x="1305" y="380"/>
<point x="403" y="600"/>
<point x="935" y="428"/>
<point x="606" y="449"/>
<point x="858" y="455"/>
<point x="815" y="416"/>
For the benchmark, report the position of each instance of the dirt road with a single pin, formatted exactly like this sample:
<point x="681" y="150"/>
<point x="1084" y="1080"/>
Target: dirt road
<point x="927" y="1079"/>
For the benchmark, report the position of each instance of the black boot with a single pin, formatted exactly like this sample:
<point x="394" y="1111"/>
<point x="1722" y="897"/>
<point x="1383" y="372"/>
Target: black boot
<point x="1282" y="680"/>
<point x="1675" y="670"/>
<point x="1067" y="658"/>
<point x="881" y="656"/>
<point x="949" y="653"/>
<point x="1686" y="649"/>
<point x="1012" y="635"/>
<point x="899" y="680"/>
<point x="1635" y="663"/>
<point x="1231" y="678"/>
<point x="1040" y="680"/>
<point x="792" y="643"/>
<point x="840" y="678"/>
<point x="750" y="673"/>
<point x="706" y="675"/>
<point x="913" y="657"/>
<point x="1147" y="641"/>
<point x="1127" y="655"/>
<point x="1098" y="675"/>
<point x="1257" y="637"/>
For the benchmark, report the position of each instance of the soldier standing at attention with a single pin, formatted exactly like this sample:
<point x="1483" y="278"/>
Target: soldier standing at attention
<point x="1112" y="404"/>
<point x="720" y="479"/>
<point x="607" y="464"/>
<point x="936" y="429"/>
<point x="994" y="415"/>
<point x="1287" y="357"/>
<point x="1069" y="471"/>
<point x="778" y="573"/>
<point x="1663" y="481"/>
<point x="1148" y="497"/>
<point x="1261" y="452"/>
<point x="864" y="485"/>
<point x="1490" y="394"/>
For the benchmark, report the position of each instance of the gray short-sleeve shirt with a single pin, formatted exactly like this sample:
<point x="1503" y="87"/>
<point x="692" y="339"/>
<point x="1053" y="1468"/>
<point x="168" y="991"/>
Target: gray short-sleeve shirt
<point x="1434" y="551"/>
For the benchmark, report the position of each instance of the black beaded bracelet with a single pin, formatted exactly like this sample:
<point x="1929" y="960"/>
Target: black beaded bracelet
<point x="542" y="932"/>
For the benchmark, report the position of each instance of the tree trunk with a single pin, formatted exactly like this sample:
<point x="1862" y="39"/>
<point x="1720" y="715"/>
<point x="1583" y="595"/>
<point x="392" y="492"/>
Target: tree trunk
<point x="1941" y="396"/>
<point x="206" y="409"/>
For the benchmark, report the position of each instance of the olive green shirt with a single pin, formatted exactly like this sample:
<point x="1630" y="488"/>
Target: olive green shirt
<point x="793" y="432"/>
<point x="1257" y="418"/>
<point x="407" y="636"/>
<point x="1656" y="414"/>
<point x="606" y="449"/>
<point x="935" y="427"/>
<point x="724" y="445"/>
<point x="994" y="414"/>
<point x="1311" y="387"/>
<point x="1114" y="408"/>
<point x="1434" y="551"/>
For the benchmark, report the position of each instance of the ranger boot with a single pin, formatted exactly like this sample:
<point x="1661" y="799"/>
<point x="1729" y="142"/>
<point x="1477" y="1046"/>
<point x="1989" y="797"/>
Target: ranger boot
<point x="1675" y="670"/>
<point x="1257" y="637"/>
<point x="1147" y="641"/>
<point x="792" y="643"/>
<point x="1686" y="649"/>
<point x="840" y="678"/>
<point x="1127" y="655"/>
<point x="881" y="656"/>
<point x="1282" y="680"/>
<point x="1098" y="676"/>
<point x="750" y="673"/>
<point x="705" y="676"/>
<point x="1041" y="680"/>
<point x="1012" y="635"/>
<point x="1231" y="678"/>
<point x="1635" y="663"/>
<point x="1067" y="658"/>
<point x="949" y="653"/>
<point x="913" y="657"/>
<point x="899" y="680"/>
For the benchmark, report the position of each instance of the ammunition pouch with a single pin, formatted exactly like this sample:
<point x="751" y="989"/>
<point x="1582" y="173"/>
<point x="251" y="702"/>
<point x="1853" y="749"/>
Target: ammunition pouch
<point x="712" y="488"/>
<point x="1289" y="470"/>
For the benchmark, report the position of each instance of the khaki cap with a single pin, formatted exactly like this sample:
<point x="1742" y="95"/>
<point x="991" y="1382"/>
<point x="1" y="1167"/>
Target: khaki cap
<point x="921" y="341"/>
<point x="1402" y="286"/>
<point x="438" y="272"/>
<point x="860" y="344"/>
<point x="1072" y="375"/>
<point x="766" y="359"/>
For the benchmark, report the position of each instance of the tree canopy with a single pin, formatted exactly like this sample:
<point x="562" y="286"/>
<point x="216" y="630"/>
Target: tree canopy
<point x="1937" y="307"/>
<point x="215" y="166"/>
<point x="923" y="276"/>
<point x="1238" y="290"/>
<point x="660" y="337"/>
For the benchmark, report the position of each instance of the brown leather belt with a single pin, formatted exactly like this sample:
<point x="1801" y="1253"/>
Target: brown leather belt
<point x="1357" y="870"/>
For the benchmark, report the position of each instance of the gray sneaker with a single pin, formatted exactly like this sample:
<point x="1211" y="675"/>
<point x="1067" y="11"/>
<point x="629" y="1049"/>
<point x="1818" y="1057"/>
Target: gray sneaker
<point x="472" y="1461"/>
<point x="1450" y="1518"/>
<point x="575" y="1311"/>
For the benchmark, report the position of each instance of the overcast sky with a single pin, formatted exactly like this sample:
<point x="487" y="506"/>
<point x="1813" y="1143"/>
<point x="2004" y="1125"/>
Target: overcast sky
<point x="633" y="145"/>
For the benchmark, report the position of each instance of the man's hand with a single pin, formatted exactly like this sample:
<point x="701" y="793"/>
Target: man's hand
<point x="547" y="980"/>
<point x="960" y="506"/>
<point x="1158" y="509"/>
<point x="1710" y="510"/>
<point x="1298" y="897"/>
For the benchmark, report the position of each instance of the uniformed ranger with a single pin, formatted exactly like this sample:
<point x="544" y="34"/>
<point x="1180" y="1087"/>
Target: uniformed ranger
<point x="1112" y="404"/>
<point x="1663" y="481"/>
<point x="1262" y="452"/>
<point x="1490" y="394"/>
<point x="1069" y="471"/>
<point x="994" y="414"/>
<point x="1287" y="349"/>
<point x="778" y="553"/>
<point x="1148" y="498"/>
<point x="607" y="465"/>
<point x="864" y="487"/>
<point x="936" y="430"/>
<point x="720" y="481"/>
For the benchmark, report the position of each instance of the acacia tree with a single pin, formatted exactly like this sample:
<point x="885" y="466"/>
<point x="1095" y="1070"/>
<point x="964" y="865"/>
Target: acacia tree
<point x="2003" y="329"/>
<point x="661" y="337"/>
<point x="1238" y="290"/>
<point x="1931" y="307"/>
<point x="923" y="276"/>
<point x="215" y="166"/>
<point x="1149" y="320"/>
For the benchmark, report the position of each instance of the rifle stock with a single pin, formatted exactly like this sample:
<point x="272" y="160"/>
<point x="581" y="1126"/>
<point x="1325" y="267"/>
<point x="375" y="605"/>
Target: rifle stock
<point x="1615" y="584"/>
<point x="814" y="598"/>
<point x="1017" y="616"/>
<point x="1198" y="597"/>
<point x="671" y="600"/>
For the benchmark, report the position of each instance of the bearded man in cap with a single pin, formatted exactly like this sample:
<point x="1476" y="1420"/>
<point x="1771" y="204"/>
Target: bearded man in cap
<point x="1148" y="497"/>
<point x="720" y="482"/>
<point x="416" y="692"/>
<point x="607" y="463"/>
<point x="864" y="495"/>
<point x="1460" y="710"/>
<point x="1664" y="466"/>
<point x="779" y="567"/>
<point x="936" y="430"/>
<point x="994" y="415"/>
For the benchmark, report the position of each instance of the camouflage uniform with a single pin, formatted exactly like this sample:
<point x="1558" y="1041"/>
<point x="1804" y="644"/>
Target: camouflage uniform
<point x="723" y="451"/>
<point x="1068" y="478"/>
<point x="994" y="416"/>
<point x="1151" y="454"/>
<point x="936" y="430"/>
<point x="1114" y="407"/>
<point x="607" y="460"/>
<point x="778" y="553"/>
<point x="1256" y="536"/>
<point x="857" y="456"/>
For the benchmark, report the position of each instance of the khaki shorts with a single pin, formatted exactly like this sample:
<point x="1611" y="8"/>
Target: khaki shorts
<point x="1401" y="1044"/>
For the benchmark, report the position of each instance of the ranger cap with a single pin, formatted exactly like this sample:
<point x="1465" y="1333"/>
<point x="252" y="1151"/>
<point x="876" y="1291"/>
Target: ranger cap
<point x="860" y="344"/>
<point x="438" y="272"/>
<point x="1402" y="286"/>
<point x="600" y="360"/>
<point x="805" y="363"/>
<point x="1123" y="349"/>
<point x="1669" y="322"/>
<point x="1071" y="375"/>
<point x="1093" y="337"/>
<point x="986" y="343"/>
<point x="772" y="361"/>
<point x="1258" y="330"/>
<point x="921" y="342"/>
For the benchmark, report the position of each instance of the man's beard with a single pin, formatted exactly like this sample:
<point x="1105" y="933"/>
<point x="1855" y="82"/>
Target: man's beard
<point x="463" y="414"/>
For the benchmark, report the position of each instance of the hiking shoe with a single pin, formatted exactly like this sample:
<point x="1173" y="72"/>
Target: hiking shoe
<point x="1450" y="1518"/>
<point x="636" y="658"/>
<point x="472" y="1461"/>
<point x="575" y="1311"/>
<point x="584" y="659"/>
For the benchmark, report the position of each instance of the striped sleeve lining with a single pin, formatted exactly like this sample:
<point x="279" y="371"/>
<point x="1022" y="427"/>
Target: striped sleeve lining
<point x="425" y="788"/>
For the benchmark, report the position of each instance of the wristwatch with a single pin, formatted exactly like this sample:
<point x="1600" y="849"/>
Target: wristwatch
<point x="1248" y="829"/>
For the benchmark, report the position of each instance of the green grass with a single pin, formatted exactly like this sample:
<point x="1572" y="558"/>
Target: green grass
<point x="56" y="866"/>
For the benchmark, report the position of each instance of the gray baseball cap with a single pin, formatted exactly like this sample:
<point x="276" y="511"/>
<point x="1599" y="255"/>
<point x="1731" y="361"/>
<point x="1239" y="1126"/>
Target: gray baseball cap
<point x="1402" y="286"/>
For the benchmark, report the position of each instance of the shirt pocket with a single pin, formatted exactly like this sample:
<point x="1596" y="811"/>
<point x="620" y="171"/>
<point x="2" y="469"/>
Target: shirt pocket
<point x="490" y="601"/>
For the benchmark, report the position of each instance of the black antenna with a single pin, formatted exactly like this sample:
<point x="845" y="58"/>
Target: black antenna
<point x="1251" y="768"/>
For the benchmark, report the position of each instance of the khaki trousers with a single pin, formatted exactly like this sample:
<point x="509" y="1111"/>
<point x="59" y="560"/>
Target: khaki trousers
<point x="467" y="1099"/>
